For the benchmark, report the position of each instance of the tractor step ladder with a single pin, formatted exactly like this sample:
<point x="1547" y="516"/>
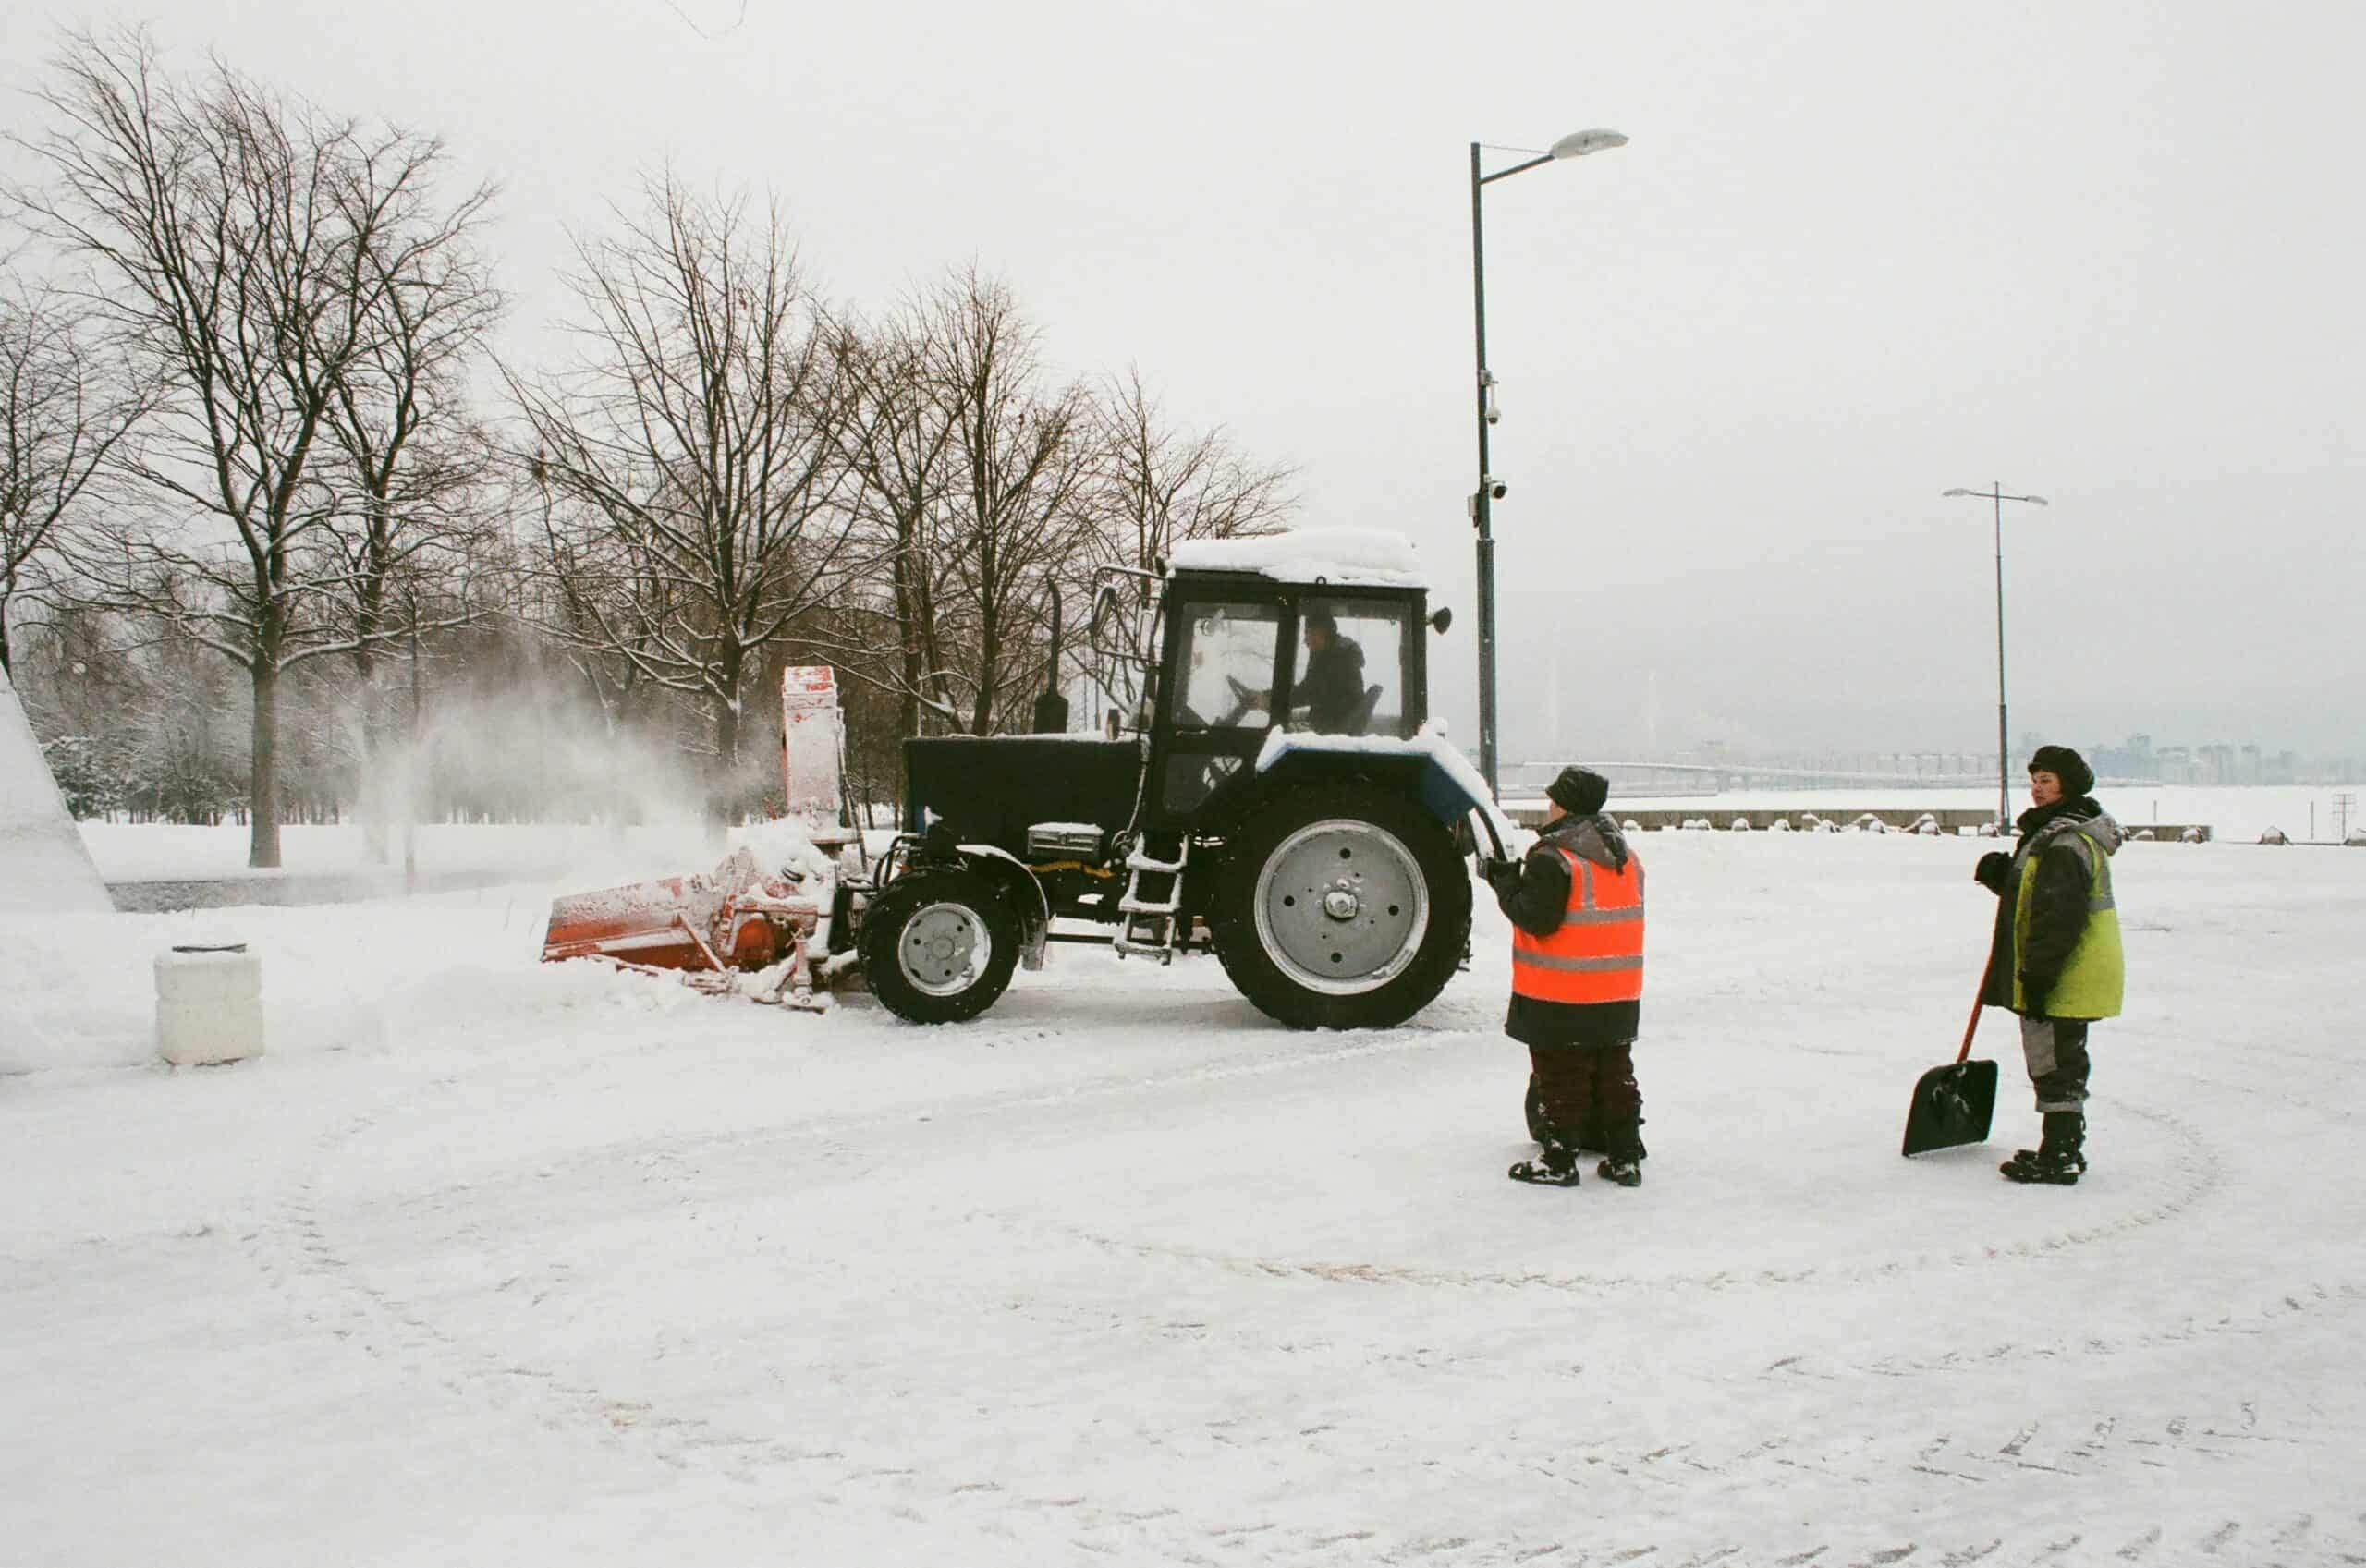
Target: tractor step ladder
<point x="1150" y="910"/>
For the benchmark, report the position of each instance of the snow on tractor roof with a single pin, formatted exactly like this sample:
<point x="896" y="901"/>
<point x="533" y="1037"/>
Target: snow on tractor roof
<point x="1366" y="557"/>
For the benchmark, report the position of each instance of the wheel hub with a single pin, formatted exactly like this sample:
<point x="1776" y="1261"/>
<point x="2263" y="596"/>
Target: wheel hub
<point x="1340" y="907"/>
<point x="944" y="948"/>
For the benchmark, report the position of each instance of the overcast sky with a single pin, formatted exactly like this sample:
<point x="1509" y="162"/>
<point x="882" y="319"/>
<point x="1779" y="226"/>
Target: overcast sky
<point x="1855" y="254"/>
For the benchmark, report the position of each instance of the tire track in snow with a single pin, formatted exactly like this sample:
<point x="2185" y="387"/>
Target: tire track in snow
<point x="2197" y="1180"/>
<point x="330" y="1291"/>
<point x="310" y="1257"/>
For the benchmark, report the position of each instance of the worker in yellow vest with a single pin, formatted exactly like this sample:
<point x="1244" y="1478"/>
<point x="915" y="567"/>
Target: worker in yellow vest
<point x="1576" y="905"/>
<point x="2055" y="956"/>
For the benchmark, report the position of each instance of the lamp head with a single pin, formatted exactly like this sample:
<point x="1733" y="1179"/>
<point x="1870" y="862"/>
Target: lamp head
<point x="1577" y="144"/>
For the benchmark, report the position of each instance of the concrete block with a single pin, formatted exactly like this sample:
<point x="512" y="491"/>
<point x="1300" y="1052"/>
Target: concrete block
<point x="208" y="1004"/>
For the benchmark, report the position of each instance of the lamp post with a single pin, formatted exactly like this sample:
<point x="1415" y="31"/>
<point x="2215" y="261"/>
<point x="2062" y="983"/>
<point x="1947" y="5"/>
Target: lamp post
<point x="1996" y="495"/>
<point x="1576" y="145"/>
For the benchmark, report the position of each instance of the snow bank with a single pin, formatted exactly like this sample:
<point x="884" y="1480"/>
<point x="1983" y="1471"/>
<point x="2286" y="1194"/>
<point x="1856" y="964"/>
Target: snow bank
<point x="79" y="991"/>
<point x="44" y="865"/>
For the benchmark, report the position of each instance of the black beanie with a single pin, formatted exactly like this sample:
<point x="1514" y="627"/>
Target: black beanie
<point x="1579" y="791"/>
<point x="2066" y="765"/>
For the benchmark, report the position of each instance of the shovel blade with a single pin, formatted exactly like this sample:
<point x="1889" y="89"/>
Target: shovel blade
<point x="1952" y="1105"/>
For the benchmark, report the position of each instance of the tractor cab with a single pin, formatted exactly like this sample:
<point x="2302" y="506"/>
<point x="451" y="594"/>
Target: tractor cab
<point x="1240" y="654"/>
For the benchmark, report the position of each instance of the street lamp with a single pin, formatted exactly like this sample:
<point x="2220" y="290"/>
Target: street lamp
<point x="1997" y="496"/>
<point x="1491" y="490"/>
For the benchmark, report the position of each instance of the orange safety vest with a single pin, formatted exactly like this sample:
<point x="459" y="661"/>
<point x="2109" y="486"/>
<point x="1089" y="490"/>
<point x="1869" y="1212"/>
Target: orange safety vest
<point x="1597" y="955"/>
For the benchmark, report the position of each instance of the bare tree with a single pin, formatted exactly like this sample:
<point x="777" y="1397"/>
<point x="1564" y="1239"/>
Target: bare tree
<point x="897" y="441"/>
<point x="420" y="471"/>
<point x="62" y="414"/>
<point x="1021" y="459"/>
<point x="1158" y="486"/>
<point x="243" y="242"/>
<point x="691" y="450"/>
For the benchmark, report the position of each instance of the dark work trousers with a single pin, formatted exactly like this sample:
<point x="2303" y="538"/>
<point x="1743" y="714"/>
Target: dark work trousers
<point x="1587" y="1091"/>
<point x="2057" y="1052"/>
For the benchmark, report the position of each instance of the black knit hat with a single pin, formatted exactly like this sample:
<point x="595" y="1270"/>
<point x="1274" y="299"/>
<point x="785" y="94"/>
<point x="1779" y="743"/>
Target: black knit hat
<point x="1579" y="791"/>
<point x="2066" y="765"/>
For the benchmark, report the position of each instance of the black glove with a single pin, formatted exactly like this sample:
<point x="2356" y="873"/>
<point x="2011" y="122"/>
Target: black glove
<point x="1992" y="871"/>
<point x="1502" y="875"/>
<point x="2035" y="988"/>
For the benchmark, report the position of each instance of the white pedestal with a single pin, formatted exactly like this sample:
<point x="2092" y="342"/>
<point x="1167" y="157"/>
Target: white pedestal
<point x="209" y="1005"/>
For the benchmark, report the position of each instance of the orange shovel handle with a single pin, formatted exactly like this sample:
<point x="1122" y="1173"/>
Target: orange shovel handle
<point x="1973" y="1023"/>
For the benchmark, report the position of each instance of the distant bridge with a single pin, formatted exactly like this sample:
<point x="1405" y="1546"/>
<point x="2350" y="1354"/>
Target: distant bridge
<point x="1707" y="778"/>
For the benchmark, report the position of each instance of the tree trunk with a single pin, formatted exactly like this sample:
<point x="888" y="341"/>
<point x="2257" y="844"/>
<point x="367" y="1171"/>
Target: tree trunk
<point x="262" y="773"/>
<point x="4" y="639"/>
<point x="726" y="758"/>
<point x="982" y="713"/>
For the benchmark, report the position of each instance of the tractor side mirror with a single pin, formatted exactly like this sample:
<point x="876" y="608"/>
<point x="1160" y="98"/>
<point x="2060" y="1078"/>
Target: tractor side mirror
<point x="1441" y="619"/>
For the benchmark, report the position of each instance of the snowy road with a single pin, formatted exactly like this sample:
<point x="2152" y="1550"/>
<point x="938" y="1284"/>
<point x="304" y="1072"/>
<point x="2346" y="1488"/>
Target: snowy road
<point x="490" y="1262"/>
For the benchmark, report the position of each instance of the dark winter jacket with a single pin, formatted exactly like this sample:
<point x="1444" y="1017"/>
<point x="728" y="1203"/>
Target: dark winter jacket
<point x="2057" y="911"/>
<point x="1534" y="897"/>
<point x="1331" y="688"/>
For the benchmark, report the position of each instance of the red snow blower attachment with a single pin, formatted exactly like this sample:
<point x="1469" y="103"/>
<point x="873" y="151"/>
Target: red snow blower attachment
<point x="767" y="909"/>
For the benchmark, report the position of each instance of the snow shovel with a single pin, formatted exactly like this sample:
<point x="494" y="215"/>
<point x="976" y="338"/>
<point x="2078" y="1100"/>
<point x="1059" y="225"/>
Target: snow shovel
<point x="1954" y="1103"/>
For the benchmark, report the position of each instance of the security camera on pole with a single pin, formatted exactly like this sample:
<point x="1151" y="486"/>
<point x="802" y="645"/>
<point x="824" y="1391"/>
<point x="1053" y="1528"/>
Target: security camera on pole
<point x="1490" y="489"/>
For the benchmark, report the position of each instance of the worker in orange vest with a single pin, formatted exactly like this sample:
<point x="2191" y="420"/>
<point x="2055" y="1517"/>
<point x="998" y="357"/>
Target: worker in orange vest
<point x="1576" y="905"/>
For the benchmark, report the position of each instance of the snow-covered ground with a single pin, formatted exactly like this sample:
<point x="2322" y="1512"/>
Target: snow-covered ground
<point x="171" y="852"/>
<point x="488" y="1261"/>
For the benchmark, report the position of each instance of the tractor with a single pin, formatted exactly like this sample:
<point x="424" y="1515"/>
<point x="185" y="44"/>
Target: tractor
<point x="1277" y="796"/>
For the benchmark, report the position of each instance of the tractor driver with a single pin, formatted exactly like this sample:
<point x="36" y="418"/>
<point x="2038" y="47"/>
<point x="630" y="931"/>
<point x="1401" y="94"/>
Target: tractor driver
<point x="1331" y="686"/>
<point x="1331" y="683"/>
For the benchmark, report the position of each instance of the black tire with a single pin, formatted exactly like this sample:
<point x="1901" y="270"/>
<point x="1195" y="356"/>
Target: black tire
<point x="1400" y="920"/>
<point x="920" y="941"/>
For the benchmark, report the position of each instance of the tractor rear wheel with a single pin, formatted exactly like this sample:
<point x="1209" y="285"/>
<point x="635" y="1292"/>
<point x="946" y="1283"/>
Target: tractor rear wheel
<point x="939" y="943"/>
<point x="1342" y="907"/>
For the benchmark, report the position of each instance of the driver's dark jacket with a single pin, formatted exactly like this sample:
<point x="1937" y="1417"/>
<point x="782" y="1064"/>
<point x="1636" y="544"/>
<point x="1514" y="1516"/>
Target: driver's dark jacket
<point x="1332" y="687"/>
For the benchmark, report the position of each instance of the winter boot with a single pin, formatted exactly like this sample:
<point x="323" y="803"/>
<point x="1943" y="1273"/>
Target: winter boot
<point x="1624" y="1163"/>
<point x="1558" y="1168"/>
<point x="2060" y="1157"/>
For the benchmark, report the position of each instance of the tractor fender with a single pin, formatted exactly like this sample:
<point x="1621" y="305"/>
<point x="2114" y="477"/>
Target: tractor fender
<point x="1009" y="872"/>
<point x="1426" y="769"/>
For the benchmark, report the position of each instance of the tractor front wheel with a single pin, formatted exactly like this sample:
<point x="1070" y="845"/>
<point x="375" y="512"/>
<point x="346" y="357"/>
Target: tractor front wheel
<point x="1342" y="908"/>
<point x="939" y="943"/>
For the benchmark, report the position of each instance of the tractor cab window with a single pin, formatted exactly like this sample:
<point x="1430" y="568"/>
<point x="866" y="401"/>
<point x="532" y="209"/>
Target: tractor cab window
<point x="1348" y="672"/>
<point x="1227" y="666"/>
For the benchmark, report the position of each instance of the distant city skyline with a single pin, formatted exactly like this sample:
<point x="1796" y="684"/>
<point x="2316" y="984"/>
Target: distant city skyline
<point x="2136" y="758"/>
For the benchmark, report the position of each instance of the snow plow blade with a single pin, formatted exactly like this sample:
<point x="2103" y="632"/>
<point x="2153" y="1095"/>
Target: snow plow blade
<point x="766" y="908"/>
<point x="754" y="913"/>
<point x="654" y="924"/>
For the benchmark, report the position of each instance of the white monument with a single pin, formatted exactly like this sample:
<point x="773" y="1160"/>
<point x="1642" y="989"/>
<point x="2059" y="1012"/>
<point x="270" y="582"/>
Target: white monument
<point x="44" y="867"/>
